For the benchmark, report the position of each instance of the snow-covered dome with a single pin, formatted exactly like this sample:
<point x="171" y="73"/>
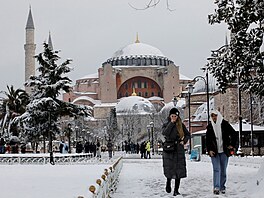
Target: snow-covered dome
<point x="138" y="54"/>
<point x="138" y="49"/>
<point x="134" y="104"/>
<point x="201" y="112"/>
<point x="199" y="85"/>
<point x="168" y="106"/>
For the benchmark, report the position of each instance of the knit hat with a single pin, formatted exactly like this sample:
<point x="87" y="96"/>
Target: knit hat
<point x="174" y="111"/>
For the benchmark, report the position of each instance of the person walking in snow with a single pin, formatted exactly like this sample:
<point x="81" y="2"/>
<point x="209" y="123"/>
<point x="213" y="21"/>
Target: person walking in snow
<point x="174" y="162"/>
<point x="148" y="150"/>
<point x="110" y="148"/>
<point x="220" y="139"/>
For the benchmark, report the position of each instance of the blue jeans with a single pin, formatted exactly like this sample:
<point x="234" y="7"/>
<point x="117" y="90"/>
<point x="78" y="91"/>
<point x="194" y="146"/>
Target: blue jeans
<point x="219" y="162"/>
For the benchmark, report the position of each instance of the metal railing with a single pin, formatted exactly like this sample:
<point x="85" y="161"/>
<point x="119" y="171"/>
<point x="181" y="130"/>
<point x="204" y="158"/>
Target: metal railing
<point x="12" y="159"/>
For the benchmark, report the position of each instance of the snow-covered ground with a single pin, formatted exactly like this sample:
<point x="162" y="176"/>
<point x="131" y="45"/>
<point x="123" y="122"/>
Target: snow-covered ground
<point x="139" y="178"/>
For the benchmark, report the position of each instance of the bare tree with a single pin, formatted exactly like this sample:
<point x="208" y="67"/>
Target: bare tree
<point x="151" y="4"/>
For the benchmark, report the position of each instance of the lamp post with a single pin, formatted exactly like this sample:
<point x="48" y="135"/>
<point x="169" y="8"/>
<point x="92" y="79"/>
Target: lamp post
<point x="76" y="133"/>
<point x="190" y="90"/>
<point x="152" y="136"/>
<point x="239" y="152"/>
<point x="50" y="135"/>
<point x="206" y="81"/>
<point x="148" y="127"/>
<point x="251" y="124"/>
<point x="69" y="136"/>
<point x="174" y="100"/>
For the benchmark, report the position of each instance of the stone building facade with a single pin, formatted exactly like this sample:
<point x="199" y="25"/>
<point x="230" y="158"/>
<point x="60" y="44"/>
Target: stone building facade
<point x="138" y="68"/>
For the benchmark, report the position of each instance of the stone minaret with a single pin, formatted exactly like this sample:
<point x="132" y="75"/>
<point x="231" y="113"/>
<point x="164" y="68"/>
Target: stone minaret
<point x="50" y="42"/>
<point x="30" y="48"/>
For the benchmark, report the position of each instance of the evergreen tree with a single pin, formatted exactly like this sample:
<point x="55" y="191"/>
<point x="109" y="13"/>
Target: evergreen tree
<point x="12" y="106"/>
<point x="45" y="109"/>
<point x="113" y="131"/>
<point x="243" y="57"/>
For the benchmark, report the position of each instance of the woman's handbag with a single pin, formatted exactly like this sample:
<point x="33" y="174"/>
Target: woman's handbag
<point x="169" y="146"/>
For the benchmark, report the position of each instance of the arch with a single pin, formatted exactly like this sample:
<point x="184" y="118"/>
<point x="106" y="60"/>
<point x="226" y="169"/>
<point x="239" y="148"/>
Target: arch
<point x="147" y="85"/>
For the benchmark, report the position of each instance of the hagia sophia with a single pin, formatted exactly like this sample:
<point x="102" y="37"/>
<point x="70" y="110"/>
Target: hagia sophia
<point x="141" y="71"/>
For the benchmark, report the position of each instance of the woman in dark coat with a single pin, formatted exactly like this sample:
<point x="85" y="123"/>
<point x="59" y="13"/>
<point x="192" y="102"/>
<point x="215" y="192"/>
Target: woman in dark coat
<point x="174" y="164"/>
<point x="220" y="138"/>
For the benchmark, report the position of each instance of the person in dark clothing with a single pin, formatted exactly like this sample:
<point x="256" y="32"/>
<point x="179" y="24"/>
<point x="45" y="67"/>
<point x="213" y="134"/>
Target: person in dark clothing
<point x="143" y="150"/>
<point x="221" y="138"/>
<point x="79" y="147"/>
<point x="174" y="163"/>
<point x="110" y="148"/>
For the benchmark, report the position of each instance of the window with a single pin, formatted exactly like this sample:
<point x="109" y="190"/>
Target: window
<point x="146" y="94"/>
<point x="139" y="93"/>
<point x="145" y="84"/>
<point x="152" y="85"/>
<point x="139" y="84"/>
<point x="152" y="93"/>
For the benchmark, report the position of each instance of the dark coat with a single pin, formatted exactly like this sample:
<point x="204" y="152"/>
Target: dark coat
<point x="229" y="135"/>
<point x="174" y="163"/>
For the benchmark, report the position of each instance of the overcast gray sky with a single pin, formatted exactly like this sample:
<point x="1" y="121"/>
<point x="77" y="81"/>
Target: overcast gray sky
<point x="90" y="31"/>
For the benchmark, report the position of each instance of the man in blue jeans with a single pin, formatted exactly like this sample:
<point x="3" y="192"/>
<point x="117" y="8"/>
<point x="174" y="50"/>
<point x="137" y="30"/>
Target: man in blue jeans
<point x="220" y="139"/>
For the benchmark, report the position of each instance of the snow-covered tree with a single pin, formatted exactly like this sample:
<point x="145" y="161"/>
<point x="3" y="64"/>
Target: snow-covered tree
<point x="112" y="128"/>
<point x="45" y="109"/>
<point x="12" y="106"/>
<point x="242" y="59"/>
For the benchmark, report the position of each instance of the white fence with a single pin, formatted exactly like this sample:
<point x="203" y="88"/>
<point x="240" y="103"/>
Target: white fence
<point x="44" y="158"/>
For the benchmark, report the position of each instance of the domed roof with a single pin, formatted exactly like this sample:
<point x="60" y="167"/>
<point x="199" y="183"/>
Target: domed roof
<point x="134" y="104"/>
<point x="138" y="54"/>
<point x="200" y="86"/>
<point x="138" y="49"/>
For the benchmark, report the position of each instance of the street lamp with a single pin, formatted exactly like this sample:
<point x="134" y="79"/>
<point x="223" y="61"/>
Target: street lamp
<point x="190" y="90"/>
<point x="50" y="134"/>
<point x="148" y="127"/>
<point x="76" y="133"/>
<point x="152" y="138"/>
<point x="174" y="100"/>
<point x="206" y="81"/>
<point x="69" y="136"/>
<point x="251" y="123"/>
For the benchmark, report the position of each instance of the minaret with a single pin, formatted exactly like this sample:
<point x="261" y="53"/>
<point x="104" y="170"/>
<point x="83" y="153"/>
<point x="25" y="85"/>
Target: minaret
<point x="50" y="42"/>
<point x="30" y="48"/>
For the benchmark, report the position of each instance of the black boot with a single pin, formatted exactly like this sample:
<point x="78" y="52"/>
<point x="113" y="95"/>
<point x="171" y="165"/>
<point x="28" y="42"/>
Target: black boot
<point x="176" y="188"/>
<point x="168" y="185"/>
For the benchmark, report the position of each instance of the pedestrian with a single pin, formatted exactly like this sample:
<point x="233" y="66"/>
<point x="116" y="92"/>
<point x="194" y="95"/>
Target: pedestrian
<point x="148" y="150"/>
<point x="174" y="162"/>
<point x="143" y="150"/>
<point x="221" y="138"/>
<point x="110" y="148"/>
<point x="98" y="149"/>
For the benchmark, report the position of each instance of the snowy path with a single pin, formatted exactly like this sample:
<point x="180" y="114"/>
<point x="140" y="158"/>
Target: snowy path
<point x="144" y="178"/>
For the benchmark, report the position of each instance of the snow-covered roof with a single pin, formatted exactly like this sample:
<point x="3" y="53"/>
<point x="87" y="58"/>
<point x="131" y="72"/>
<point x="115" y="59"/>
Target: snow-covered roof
<point x="183" y="77"/>
<point x="201" y="112"/>
<point x="87" y="98"/>
<point x="95" y="75"/>
<point x="245" y="127"/>
<point x="155" y="98"/>
<point x="200" y="85"/>
<point x="134" y="104"/>
<point x="137" y="49"/>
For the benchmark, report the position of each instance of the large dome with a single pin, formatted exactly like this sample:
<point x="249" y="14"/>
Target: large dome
<point x="138" y="49"/>
<point x="138" y="54"/>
